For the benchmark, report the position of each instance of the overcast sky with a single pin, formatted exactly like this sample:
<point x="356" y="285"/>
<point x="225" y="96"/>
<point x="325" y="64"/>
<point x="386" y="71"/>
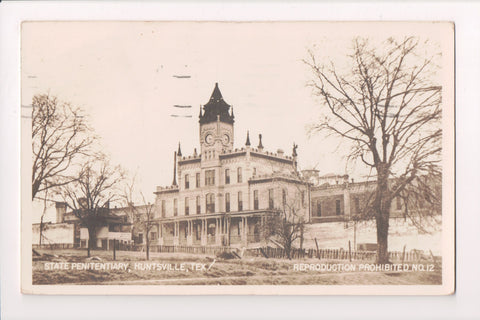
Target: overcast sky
<point x="121" y="73"/>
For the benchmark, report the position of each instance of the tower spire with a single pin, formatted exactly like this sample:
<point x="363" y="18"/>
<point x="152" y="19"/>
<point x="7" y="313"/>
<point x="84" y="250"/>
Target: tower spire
<point x="260" y="145"/>
<point x="179" y="152"/>
<point x="247" y="143"/>
<point x="216" y="106"/>
<point x="174" y="183"/>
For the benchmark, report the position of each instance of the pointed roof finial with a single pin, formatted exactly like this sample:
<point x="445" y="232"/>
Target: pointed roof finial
<point x="232" y="115"/>
<point x="247" y="143"/>
<point x="195" y="152"/>
<point x="200" y="115"/>
<point x="174" y="183"/>
<point x="260" y="145"/>
<point x="215" y="107"/>
<point x="294" y="150"/>
<point x="179" y="152"/>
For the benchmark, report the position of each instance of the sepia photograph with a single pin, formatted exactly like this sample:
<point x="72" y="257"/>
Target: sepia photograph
<point x="237" y="157"/>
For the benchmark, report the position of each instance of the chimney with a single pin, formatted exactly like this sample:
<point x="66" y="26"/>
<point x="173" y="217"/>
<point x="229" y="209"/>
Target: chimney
<point x="61" y="208"/>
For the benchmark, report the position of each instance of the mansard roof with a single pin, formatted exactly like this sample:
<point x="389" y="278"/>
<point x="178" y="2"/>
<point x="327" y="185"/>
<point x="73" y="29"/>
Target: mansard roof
<point x="215" y="107"/>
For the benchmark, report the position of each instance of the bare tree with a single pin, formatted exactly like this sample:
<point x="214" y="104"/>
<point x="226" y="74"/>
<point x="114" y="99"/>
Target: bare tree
<point x="142" y="216"/>
<point x="387" y="106"/>
<point x="286" y="226"/>
<point x="60" y="134"/>
<point x="89" y="195"/>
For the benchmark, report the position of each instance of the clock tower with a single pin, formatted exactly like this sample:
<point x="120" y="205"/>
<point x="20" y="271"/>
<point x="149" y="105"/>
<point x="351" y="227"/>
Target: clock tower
<point x="216" y="126"/>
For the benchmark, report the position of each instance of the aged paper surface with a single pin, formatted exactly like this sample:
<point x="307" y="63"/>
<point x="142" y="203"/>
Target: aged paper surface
<point x="237" y="158"/>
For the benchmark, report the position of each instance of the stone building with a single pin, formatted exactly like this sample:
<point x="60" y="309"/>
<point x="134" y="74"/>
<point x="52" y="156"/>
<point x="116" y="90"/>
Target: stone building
<point x="114" y="225"/>
<point x="221" y="195"/>
<point x="336" y="198"/>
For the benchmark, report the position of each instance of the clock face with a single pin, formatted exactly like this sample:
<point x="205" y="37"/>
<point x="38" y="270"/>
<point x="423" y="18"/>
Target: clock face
<point x="225" y="139"/>
<point x="209" y="139"/>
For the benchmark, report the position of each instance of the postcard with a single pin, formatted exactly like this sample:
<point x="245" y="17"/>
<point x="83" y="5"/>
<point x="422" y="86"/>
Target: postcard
<point x="267" y="158"/>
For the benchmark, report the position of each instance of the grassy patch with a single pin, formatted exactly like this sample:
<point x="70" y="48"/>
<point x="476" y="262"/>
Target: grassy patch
<point x="214" y="271"/>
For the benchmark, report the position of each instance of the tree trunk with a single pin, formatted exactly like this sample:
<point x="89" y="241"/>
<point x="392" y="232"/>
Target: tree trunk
<point x="382" y="216"/>
<point x="288" y="251"/>
<point x="88" y="247"/>
<point x="41" y="232"/>
<point x="382" y="237"/>
<point x="92" y="239"/>
<point x="147" y="244"/>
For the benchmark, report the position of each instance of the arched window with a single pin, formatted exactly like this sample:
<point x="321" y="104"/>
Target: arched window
<point x="227" y="176"/>
<point x="210" y="203"/>
<point x="187" y="206"/>
<point x="199" y="208"/>
<point x="240" y="201"/>
<point x="227" y="202"/>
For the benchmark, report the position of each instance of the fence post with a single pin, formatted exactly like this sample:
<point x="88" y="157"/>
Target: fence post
<point x="349" y="251"/>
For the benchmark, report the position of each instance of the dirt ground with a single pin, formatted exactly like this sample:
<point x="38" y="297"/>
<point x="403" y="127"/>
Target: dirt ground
<point x="190" y="269"/>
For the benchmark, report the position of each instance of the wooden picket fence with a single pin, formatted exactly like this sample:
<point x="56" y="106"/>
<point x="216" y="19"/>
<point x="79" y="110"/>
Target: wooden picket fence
<point x="266" y="252"/>
<point x="54" y="246"/>
<point x="184" y="249"/>
<point x="332" y="254"/>
<point x="280" y="253"/>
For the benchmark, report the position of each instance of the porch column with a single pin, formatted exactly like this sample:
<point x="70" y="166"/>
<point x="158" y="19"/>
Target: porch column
<point x="189" y="233"/>
<point x="203" y="234"/>
<point x="176" y="230"/>
<point x="243" y="233"/>
<point x="246" y="230"/>
<point x="218" y="232"/>
<point x="227" y="231"/>
<point x="160" y="234"/>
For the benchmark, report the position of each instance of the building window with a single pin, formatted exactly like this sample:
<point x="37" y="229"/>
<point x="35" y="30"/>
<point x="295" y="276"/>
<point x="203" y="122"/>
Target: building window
<point x="338" y="210"/>
<point x="210" y="203"/>
<point x="175" y="207"/>
<point x="197" y="180"/>
<point x="227" y="176"/>
<point x="357" y="205"/>
<point x="227" y="202"/>
<point x="199" y="208"/>
<point x="240" y="201"/>
<point x="239" y="175"/>
<point x="210" y="177"/>
<point x="270" y="199"/>
<point x="254" y="171"/>
<point x="399" y="203"/>
<point x="319" y="209"/>
<point x="187" y="181"/>
<point x="187" y="207"/>
<point x="284" y="197"/>
<point x="302" y="194"/>
<point x="140" y="238"/>
<point x="163" y="209"/>
<point x="153" y="236"/>
<point x="255" y="200"/>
